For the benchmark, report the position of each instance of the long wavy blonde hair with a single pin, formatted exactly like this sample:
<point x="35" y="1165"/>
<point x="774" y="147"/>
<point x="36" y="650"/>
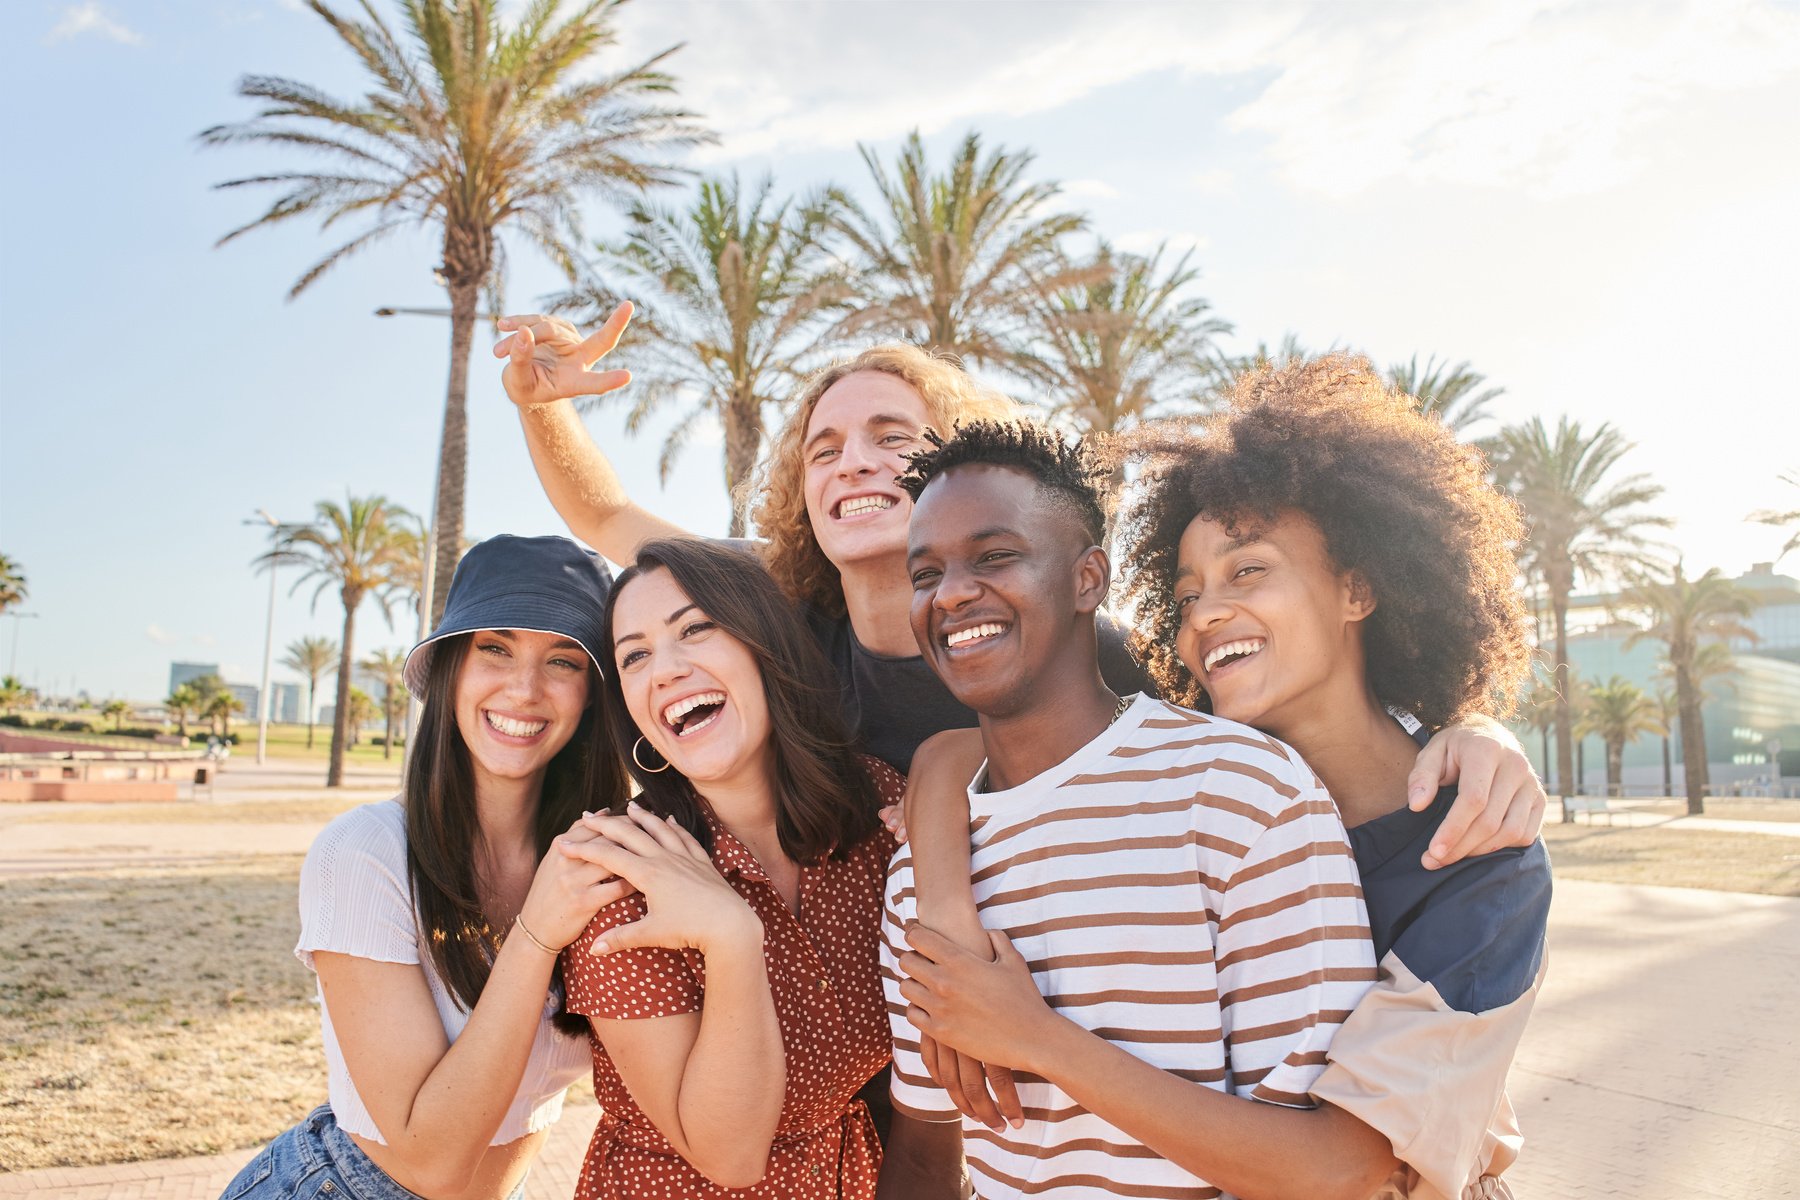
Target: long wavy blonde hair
<point x="951" y="397"/>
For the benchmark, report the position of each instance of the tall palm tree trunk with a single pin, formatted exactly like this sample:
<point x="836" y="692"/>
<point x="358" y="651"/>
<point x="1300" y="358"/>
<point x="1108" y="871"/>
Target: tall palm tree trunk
<point x="453" y="450"/>
<point x="1615" y="768"/>
<point x="743" y="438"/>
<point x="340" y="719"/>
<point x="312" y="707"/>
<point x="1668" y="769"/>
<point x="1565" y="721"/>
<point x="1693" y="740"/>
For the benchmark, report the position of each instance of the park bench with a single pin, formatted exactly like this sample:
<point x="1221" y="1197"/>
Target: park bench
<point x="1591" y="805"/>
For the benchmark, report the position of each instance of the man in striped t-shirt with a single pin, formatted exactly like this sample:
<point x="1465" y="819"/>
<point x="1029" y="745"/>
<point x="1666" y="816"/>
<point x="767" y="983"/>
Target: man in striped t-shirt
<point x="1179" y="885"/>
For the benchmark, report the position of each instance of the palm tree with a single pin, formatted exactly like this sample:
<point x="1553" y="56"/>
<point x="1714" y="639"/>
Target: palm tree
<point x="388" y="666"/>
<point x="311" y="657"/>
<point x="357" y="548"/>
<point x="205" y="688"/>
<point x="1128" y="343"/>
<point x="1618" y="712"/>
<point x="737" y="283"/>
<point x="1452" y="394"/>
<point x="1582" y="522"/>
<point x="1685" y="615"/>
<point x="952" y="261"/>
<point x="1667" y="710"/>
<point x="471" y="127"/>
<point x="1788" y="519"/>
<point x="12" y="583"/>
<point x="362" y="711"/>
<point x="13" y="693"/>
<point x="116" y="709"/>
<point x="219" y="706"/>
<point x="1538" y="710"/>
<point x="183" y="699"/>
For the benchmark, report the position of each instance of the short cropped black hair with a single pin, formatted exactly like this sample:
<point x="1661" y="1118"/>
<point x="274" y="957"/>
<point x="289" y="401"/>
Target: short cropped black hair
<point x="1068" y="470"/>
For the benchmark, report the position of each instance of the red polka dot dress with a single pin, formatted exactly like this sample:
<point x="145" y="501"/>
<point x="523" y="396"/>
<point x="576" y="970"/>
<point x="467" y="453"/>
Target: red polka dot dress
<point x="824" y="973"/>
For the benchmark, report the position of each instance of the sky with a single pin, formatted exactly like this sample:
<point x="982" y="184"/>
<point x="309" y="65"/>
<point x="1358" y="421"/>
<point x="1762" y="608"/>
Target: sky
<point x="1593" y="204"/>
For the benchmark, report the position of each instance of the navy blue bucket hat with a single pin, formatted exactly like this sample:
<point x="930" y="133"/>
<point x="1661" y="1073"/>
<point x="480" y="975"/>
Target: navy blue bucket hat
<point x="543" y="584"/>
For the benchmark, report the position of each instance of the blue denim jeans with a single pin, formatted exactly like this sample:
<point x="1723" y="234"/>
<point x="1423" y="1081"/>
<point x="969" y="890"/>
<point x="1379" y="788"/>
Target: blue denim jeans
<point x="315" y="1160"/>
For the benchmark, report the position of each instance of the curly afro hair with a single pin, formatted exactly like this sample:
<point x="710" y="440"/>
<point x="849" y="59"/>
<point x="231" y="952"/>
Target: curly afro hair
<point x="1069" y="471"/>
<point x="1398" y="500"/>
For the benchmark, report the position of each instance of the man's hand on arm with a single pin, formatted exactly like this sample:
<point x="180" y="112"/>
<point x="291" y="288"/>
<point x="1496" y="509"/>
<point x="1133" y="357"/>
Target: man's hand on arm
<point x="1499" y="801"/>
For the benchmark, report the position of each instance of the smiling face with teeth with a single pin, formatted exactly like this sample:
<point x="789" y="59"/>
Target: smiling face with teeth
<point x="1269" y="626"/>
<point x="520" y="696"/>
<point x="1004" y="586"/>
<point x="857" y="442"/>
<point x="693" y="690"/>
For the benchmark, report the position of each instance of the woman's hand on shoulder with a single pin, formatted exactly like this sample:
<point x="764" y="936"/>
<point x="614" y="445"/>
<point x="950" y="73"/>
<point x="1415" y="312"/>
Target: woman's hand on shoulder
<point x="1499" y="801"/>
<point x="548" y="359"/>
<point x="691" y="907"/>
<point x="567" y="890"/>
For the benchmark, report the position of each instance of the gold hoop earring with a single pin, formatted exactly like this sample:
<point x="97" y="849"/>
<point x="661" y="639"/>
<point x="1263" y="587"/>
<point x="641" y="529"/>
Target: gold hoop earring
<point x="640" y="762"/>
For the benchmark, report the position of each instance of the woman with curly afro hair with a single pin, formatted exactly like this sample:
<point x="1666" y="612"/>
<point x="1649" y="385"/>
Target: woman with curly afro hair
<point x="1321" y="562"/>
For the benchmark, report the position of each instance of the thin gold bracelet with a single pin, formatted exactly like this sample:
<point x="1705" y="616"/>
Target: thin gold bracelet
<point x="519" y="920"/>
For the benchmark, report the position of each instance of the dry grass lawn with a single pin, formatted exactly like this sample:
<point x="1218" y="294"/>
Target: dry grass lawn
<point x="1726" y="862"/>
<point x="183" y="812"/>
<point x="153" y="1014"/>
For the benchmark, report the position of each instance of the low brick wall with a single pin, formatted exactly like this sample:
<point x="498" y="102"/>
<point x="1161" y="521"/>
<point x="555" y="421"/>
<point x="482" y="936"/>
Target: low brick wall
<point x="95" y="790"/>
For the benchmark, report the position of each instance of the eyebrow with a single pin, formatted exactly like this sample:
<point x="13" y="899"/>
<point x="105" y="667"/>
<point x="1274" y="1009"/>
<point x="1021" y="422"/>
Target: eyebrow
<point x="1249" y="538"/>
<point x="980" y="535"/>
<point x="560" y="643"/>
<point x="673" y="617"/>
<point x="877" y="420"/>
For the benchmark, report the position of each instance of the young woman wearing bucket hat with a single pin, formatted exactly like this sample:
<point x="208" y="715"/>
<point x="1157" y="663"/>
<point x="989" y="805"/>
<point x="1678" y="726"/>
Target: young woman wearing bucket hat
<point x="433" y="921"/>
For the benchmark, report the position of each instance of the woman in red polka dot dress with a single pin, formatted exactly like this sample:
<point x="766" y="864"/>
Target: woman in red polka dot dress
<point x="734" y="1003"/>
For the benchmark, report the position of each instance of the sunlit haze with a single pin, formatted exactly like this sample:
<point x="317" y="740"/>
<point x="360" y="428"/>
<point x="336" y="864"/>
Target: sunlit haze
<point x="1592" y="204"/>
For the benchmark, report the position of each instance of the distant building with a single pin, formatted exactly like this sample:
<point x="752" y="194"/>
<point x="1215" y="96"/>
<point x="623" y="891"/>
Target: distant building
<point x="187" y="672"/>
<point x="287" y="703"/>
<point x="249" y="695"/>
<point x="1747" y="713"/>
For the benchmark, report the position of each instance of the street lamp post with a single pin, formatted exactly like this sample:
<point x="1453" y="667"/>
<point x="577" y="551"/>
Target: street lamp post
<point x="264" y="700"/>
<point x="13" y="666"/>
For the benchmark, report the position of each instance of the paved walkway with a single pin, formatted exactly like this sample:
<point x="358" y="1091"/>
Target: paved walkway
<point x="1650" y="820"/>
<point x="1663" y="1062"/>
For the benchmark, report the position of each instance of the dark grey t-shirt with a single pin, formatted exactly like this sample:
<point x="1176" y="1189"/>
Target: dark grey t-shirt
<point x="893" y="704"/>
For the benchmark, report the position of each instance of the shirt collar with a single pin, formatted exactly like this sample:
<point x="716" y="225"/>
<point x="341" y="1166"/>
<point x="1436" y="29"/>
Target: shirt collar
<point x="729" y="855"/>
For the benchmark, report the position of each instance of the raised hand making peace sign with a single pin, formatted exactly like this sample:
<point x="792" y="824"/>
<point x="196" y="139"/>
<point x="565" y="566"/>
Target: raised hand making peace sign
<point x="549" y="360"/>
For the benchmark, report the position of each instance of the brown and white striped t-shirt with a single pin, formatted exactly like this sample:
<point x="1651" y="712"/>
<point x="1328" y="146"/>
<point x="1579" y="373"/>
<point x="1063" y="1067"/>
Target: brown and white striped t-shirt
<point x="1180" y="886"/>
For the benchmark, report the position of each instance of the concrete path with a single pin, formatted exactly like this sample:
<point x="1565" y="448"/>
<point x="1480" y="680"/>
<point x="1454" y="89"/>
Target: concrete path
<point x="1663" y="1063"/>
<point x="1648" y="820"/>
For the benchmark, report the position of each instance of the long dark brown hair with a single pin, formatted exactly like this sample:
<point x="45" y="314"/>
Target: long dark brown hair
<point x="441" y="823"/>
<point x="825" y="802"/>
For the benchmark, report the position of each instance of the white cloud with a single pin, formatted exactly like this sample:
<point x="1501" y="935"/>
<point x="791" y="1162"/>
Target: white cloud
<point x="79" y="20"/>
<point x="792" y="77"/>
<point x="1531" y="94"/>
<point x="161" y="636"/>
<point x="1214" y="181"/>
<point x="1143" y="241"/>
<point x="1090" y="189"/>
